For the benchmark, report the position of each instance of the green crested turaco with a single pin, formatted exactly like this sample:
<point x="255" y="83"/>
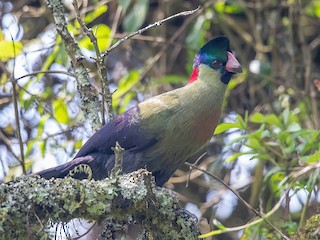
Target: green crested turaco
<point x="162" y="132"/>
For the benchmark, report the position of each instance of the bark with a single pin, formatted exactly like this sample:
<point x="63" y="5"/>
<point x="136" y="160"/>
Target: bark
<point x="30" y="204"/>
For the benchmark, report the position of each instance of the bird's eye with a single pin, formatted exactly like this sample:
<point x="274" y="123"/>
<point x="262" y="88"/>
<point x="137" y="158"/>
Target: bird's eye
<point x="216" y="63"/>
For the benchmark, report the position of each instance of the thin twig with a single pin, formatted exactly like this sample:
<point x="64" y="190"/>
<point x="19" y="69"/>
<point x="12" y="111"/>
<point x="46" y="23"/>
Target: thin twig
<point x="190" y="168"/>
<point x="45" y="72"/>
<point x="241" y="199"/>
<point x="90" y="8"/>
<point x="116" y="19"/>
<point x="155" y="58"/>
<point x="16" y="109"/>
<point x="146" y="38"/>
<point x="140" y="31"/>
<point x="304" y="170"/>
<point x="18" y="130"/>
<point x="8" y="145"/>
<point x="238" y="228"/>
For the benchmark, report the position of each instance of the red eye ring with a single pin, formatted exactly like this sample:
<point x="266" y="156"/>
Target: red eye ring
<point x="216" y="63"/>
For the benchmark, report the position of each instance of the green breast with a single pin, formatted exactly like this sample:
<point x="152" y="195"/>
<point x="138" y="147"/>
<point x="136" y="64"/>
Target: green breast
<point x="183" y="120"/>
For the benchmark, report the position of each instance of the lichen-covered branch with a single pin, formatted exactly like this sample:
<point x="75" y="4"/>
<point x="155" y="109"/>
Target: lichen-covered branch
<point x="88" y="98"/>
<point x="30" y="204"/>
<point x="101" y="67"/>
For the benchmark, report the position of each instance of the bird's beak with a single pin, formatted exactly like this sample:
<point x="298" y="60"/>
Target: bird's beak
<point x="233" y="65"/>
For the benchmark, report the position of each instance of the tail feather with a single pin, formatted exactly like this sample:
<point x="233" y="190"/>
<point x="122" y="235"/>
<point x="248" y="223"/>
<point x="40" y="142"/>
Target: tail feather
<point x="79" y="168"/>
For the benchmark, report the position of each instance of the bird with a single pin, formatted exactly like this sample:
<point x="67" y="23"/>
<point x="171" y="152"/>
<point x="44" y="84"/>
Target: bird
<point x="162" y="132"/>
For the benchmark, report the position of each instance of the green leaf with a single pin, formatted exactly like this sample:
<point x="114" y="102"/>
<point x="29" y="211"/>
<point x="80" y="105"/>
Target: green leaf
<point x="258" y="133"/>
<point x="62" y="56"/>
<point x="127" y="98"/>
<point x="96" y="13"/>
<point x="272" y="119"/>
<point x="103" y="35"/>
<point x="239" y="139"/>
<point x="8" y="49"/>
<point x="58" y="50"/>
<point x="313" y="9"/>
<point x="294" y="127"/>
<point x="260" y="156"/>
<point x="124" y="4"/>
<point x="257" y="118"/>
<point x="265" y="133"/>
<point x="126" y="85"/>
<point x="290" y="227"/>
<point x="223" y="127"/>
<point x="237" y="81"/>
<point x="235" y="156"/>
<point x="60" y="111"/>
<point x="30" y="145"/>
<point x="223" y="7"/>
<point x="242" y="122"/>
<point x="254" y="144"/>
<point x="275" y="181"/>
<point x="196" y="37"/>
<point x="28" y="103"/>
<point x="270" y="172"/>
<point x="86" y="43"/>
<point x="134" y="20"/>
<point x="78" y="144"/>
<point x="286" y="116"/>
<point x="41" y="124"/>
<point x="311" y="158"/>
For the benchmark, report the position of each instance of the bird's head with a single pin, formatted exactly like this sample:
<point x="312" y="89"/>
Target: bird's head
<point x="217" y="55"/>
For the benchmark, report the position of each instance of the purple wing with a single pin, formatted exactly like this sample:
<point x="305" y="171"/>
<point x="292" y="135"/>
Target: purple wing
<point x="124" y="129"/>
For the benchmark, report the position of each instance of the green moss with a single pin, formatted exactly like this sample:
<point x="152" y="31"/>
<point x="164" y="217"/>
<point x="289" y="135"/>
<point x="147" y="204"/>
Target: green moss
<point x="311" y="229"/>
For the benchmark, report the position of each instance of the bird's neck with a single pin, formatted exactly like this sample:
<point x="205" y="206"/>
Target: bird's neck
<point x="204" y="98"/>
<point x="194" y="75"/>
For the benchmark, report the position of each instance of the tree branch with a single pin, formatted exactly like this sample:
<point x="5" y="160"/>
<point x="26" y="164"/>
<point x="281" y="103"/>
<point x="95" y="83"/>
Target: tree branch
<point x="30" y="204"/>
<point x="88" y="99"/>
<point x="101" y="67"/>
<point x="142" y="30"/>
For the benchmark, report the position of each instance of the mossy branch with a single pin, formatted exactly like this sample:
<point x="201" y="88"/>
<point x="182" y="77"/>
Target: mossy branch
<point x="89" y="101"/>
<point x="30" y="204"/>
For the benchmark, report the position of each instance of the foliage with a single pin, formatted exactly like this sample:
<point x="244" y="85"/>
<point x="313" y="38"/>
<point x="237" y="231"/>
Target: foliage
<point x="9" y="49"/>
<point x="287" y="152"/>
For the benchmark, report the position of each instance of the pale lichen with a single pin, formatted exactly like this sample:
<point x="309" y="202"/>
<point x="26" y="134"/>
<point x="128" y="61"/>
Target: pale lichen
<point x="30" y="204"/>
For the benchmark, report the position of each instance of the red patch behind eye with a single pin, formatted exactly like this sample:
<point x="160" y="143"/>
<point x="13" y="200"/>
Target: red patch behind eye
<point x="194" y="75"/>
